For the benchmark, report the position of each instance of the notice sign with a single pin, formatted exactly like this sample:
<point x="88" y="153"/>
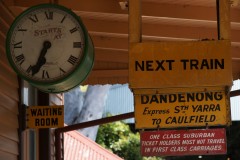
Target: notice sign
<point x="180" y="64"/>
<point x="184" y="109"/>
<point x="183" y="142"/>
<point x="45" y="116"/>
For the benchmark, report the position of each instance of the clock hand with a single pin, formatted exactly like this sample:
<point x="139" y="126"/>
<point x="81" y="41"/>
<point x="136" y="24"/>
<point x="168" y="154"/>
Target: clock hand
<point x="41" y="59"/>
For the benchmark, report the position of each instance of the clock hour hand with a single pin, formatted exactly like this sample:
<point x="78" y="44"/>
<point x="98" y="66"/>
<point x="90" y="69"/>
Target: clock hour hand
<point x="41" y="59"/>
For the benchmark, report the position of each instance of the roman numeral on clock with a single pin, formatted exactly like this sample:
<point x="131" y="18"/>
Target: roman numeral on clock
<point x="49" y="15"/>
<point x="17" y="45"/>
<point x="45" y="74"/>
<point x="20" y="58"/>
<point x="62" y="71"/>
<point x="72" y="59"/>
<point x="34" y="18"/>
<point x="77" y="45"/>
<point x="63" y="19"/>
<point x="29" y="69"/>
<point x="73" y="30"/>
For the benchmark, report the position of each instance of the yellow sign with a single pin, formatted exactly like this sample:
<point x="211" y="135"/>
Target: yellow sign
<point x="45" y="116"/>
<point x="181" y="109"/>
<point x="180" y="64"/>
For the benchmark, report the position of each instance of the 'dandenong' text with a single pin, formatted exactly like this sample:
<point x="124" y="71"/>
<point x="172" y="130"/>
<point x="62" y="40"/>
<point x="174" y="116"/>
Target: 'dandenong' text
<point x="201" y="107"/>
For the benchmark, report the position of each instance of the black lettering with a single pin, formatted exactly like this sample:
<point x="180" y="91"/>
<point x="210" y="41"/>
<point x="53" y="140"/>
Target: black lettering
<point x="177" y="110"/>
<point x="199" y="96"/>
<point x="160" y="65"/>
<point x="194" y="108"/>
<point x="204" y="64"/>
<point x="144" y="99"/>
<point x="37" y="123"/>
<point x="154" y="99"/>
<point x="218" y="96"/>
<point x="172" y="98"/>
<point x="139" y="66"/>
<point x="145" y="110"/>
<point x="184" y="63"/>
<point x="193" y="64"/>
<point x="33" y="112"/>
<point x="181" y="98"/>
<point x="208" y="96"/>
<point x="54" y="121"/>
<point x="212" y="118"/>
<point x="219" y="64"/>
<point x="163" y="98"/>
<point x="149" y="65"/>
<point x="170" y="64"/>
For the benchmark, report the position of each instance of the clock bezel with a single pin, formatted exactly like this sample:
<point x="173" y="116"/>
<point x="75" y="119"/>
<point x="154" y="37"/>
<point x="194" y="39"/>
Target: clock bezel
<point x="87" y="44"/>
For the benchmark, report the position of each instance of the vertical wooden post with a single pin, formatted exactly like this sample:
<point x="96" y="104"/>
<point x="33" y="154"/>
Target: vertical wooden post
<point x="44" y="133"/>
<point x="223" y="11"/>
<point x="135" y="21"/>
<point x="224" y="32"/>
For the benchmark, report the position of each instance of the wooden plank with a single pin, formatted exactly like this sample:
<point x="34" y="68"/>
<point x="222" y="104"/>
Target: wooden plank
<point x="105" y="80"/>
<point x="111" y="55"/>
<point x="8" y="103"/>
<point x="4" y="12"/>
<point x="7" y="156"/>
<point x="9" y="132"/>
<point x="8" y="77"/>
<point x="3" y="25"/>
<point x="8" y="145"/>
<point x="109" y="73"/>
<point x="8" y="118"/>
<point x="4" y="61"/>
<point x="9" y="90"/>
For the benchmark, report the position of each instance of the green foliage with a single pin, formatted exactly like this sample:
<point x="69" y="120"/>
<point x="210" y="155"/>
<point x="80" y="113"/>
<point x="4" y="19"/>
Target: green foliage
<point x="118" y="138"/>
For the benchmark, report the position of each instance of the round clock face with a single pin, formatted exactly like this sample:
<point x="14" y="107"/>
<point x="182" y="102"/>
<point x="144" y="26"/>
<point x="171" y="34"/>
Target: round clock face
<point x="46" y="44"/>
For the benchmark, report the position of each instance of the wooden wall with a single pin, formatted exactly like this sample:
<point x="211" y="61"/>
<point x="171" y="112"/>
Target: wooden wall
<point x="9" y="97"/>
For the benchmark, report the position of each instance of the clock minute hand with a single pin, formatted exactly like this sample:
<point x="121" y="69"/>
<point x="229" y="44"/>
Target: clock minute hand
<point x="41" y="59"/>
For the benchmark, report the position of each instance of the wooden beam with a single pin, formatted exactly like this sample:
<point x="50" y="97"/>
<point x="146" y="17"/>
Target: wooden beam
<point x="135" y="21"/>
<point x="223" y="8"/>
<point x="111" y="55"/>
<point x="95" y="122"/>
<point x="108" y="73"/>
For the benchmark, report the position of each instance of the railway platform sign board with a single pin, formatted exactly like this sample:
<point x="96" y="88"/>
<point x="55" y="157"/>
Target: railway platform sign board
<point x="187" y="108"/>
<point x="183" y="142"/>
<point x="180" y="64"/>
<point x="45" y="117"/>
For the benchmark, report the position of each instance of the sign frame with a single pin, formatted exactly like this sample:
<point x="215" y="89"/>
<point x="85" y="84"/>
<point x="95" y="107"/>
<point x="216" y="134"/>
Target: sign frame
<point x="183" y="142"/>
<point x="180" y="64"/>
<point x="45" y="116"/>
<point x="204" y="112"/>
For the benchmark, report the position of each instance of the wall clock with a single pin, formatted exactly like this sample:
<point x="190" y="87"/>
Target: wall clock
<point x="48" y="46"/>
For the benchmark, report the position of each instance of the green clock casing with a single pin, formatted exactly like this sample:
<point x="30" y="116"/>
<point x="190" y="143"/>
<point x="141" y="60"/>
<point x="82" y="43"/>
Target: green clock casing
<point x="48" y="46"/>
